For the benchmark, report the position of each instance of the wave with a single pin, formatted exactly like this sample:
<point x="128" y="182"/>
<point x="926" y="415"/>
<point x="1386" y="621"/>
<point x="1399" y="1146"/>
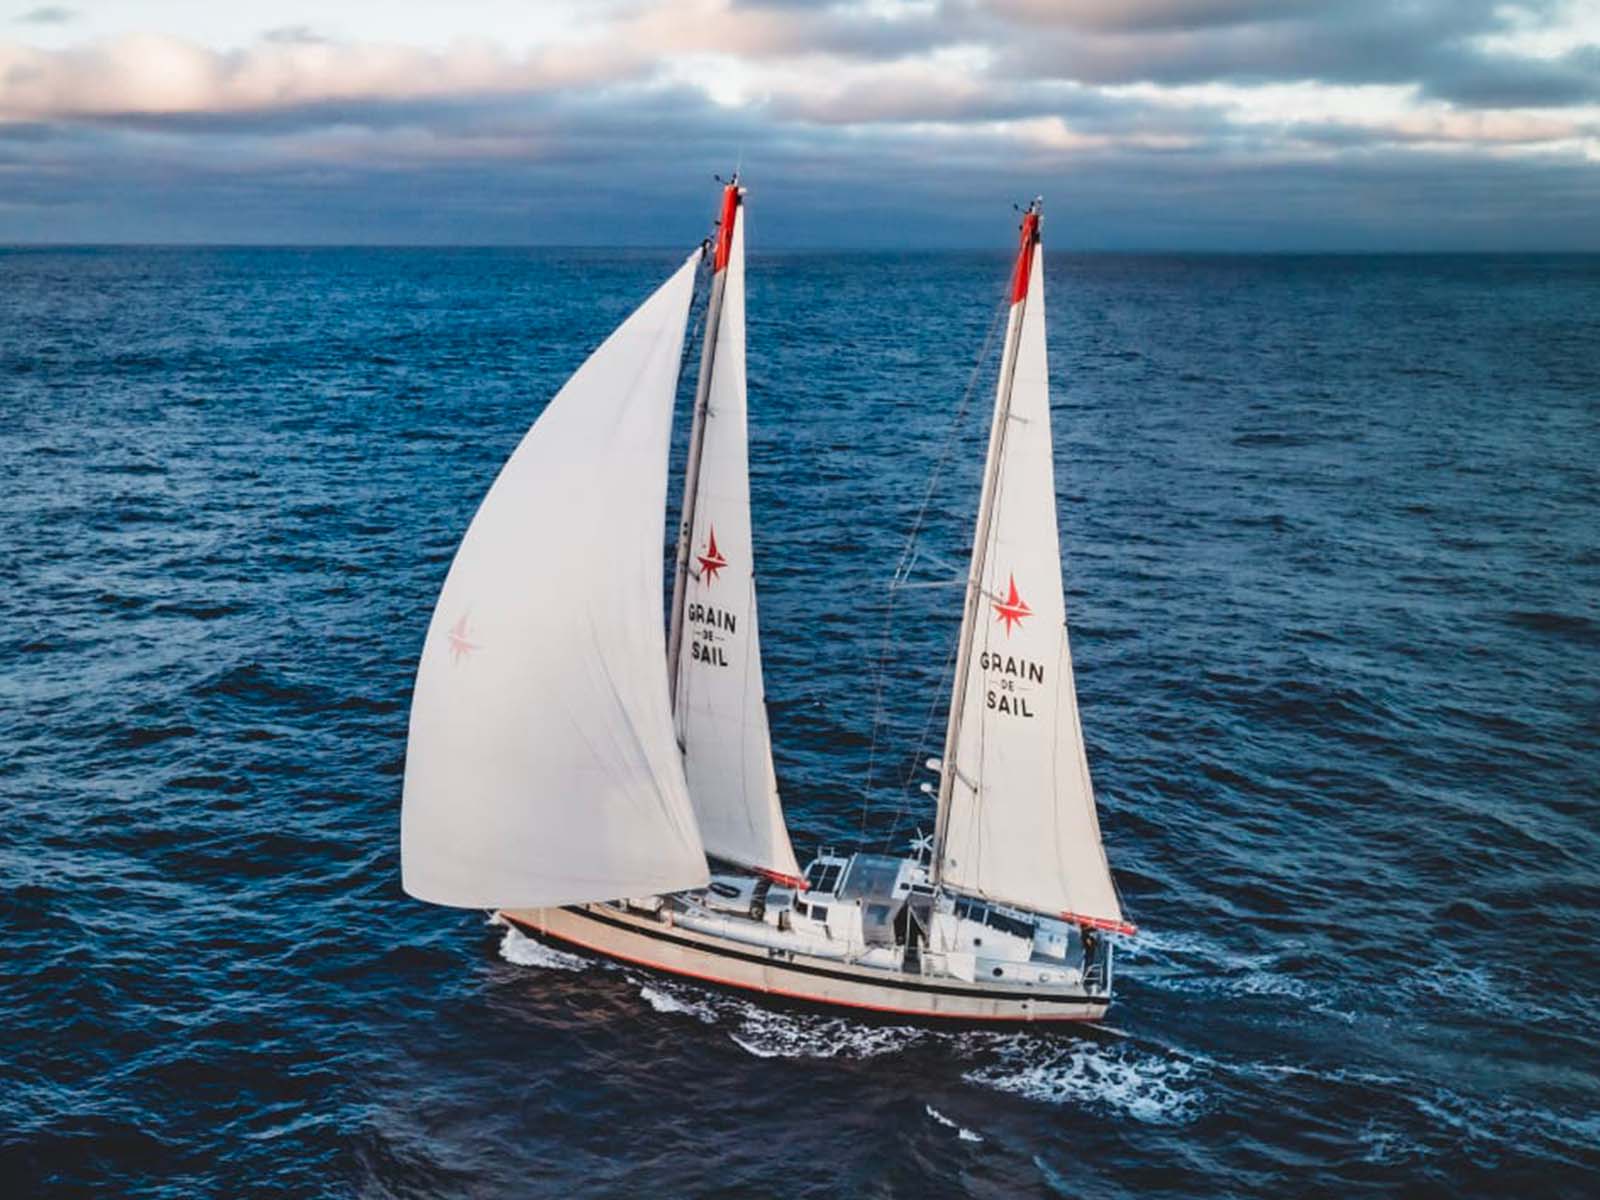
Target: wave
<point x="770" y="1033"/>
<point x="516" y="947"/>
<point x="1151" y="1088"/>
<point x="965" y="1134"/>
<point x="664" y="1001"/>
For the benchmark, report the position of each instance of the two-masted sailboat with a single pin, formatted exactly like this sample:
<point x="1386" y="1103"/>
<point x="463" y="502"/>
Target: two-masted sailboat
<point x="607" y="783"/>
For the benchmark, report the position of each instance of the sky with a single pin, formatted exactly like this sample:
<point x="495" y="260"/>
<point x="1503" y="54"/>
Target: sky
<point x="1233" y="125"/>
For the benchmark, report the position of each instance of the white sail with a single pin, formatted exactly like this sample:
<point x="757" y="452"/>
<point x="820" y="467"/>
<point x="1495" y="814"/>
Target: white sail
<point x="721" y="705"/>
<point x="542" y="768"/>
<point x="1018" y="821"/>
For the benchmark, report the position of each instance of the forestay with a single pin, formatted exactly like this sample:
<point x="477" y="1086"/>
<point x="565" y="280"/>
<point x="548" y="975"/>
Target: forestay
<point x="542" y="767"/>
<point x="721" y="706"/>
<point x="1019" y="824"/>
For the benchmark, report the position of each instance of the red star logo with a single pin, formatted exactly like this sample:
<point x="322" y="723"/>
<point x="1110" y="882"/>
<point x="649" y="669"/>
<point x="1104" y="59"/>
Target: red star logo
<point x="712" y="561"/>
<point x="460" y="647"/>
<point x="1012" y="609"/>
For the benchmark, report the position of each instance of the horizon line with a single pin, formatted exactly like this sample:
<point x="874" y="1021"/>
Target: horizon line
<point x="663" y="247"/>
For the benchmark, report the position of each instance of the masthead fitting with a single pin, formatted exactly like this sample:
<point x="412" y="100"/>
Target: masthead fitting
<point x="1023" y="271"/>
<point x="731" y="194"/>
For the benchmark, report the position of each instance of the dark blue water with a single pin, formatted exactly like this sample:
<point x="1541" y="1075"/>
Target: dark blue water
<point x="1332" y="531"/>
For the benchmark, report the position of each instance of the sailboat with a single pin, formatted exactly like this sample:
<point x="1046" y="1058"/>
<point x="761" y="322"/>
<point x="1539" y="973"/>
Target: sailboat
<point x="601" y="781"/>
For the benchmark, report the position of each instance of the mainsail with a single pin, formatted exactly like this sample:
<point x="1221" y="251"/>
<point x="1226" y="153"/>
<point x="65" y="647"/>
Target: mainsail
<point x="715" y="651"/>
<point x="1017" y="820"/>
<point x="542" y="767"/>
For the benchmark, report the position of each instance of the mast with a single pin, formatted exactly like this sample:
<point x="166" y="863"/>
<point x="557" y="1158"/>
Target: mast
<point x="1017" y="818"/>
<point x="719" y="702"/>
<point x="732" y="195"/>
<point x="986" y="511"/>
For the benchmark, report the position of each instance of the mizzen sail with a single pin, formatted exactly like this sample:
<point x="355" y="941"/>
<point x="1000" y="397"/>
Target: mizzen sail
<point x="542" y="768"/>
<point x="716" y="652"/>
<point x="1017" y="820"/>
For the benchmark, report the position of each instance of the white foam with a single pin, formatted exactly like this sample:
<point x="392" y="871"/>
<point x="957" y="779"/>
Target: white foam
<point x="518" y="948"/>
<point x="1157" y="1089"/>
<point x="658" y="997"/>
<point x="965" y="1134"/>
<point x="1252" y="983"/>
<point x="1385" y="1146"/>
<point x="1479" y="989"/>
<point x="1155" y="943"/>
<point x="1192" y="963"/>
<point x="768" y="1033"/>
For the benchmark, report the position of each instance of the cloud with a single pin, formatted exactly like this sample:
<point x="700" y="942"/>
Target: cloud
<point x="156" y="73"/>
<point x="1150" y="15"/>
<point x="923" y="110"/>
<point x="48" y="14"/>
<point x="1488" y="81"/>
<point x="1436" y="44"/>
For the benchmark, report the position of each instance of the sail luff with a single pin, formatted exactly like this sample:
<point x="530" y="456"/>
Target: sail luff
<point x="697" y="431"/>
<point x="541" y="764"/>
<point x="719" y="701"/>
<point x="950" y="771"/>
<point x="1017" y="819"/>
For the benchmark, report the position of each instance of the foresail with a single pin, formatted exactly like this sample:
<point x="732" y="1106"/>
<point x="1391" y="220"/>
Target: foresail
<point x="1020" y="824"/>
<point x="541" y="767"/>
<point x="721" y="705"/>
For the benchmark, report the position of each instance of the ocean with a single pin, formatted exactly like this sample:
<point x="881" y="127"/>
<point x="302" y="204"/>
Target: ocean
<point x="1331" y="528"/>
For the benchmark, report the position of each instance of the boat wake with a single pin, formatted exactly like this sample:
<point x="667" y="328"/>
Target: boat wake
<point x="664" y="1001"/>
<point x="516" y="947"/>
<point x="1149" y="1086"/>
<point x="1155" y="1089"/>
<point x="768" y="1033"/>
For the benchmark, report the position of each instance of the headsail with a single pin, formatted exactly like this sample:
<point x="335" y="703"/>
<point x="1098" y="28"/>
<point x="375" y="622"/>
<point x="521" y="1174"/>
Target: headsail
<point x="541" y="767"/>
<point x="1017" y="818"/>
<point x="720" y="701"/>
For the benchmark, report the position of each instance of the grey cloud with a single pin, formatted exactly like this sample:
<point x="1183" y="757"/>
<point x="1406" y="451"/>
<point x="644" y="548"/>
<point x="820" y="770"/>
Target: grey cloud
<point x="1481" y="81"/>
<point x="1360" y="43"/>
<point x="48" y="14"/>
<point x="1363" y="43"/>
<point x="294" y="35"/>
<point x="1153" y="15"/>
<point x="610" y="185"/>
<point x="607" y="154"/>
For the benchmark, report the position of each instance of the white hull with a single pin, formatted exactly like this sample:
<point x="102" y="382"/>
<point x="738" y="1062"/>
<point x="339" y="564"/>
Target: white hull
<point x="656" y="942"/>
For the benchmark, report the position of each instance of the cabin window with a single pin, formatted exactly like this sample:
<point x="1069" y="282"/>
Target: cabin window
<point x="801" y="907"/>
<point x="827" y="880"/>
<point x="819" y="912"/>
<point x="1015" y="926"/>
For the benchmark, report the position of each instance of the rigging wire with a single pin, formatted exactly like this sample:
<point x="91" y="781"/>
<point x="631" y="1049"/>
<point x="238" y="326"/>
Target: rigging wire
<point x="908" y="559"/>
<point x="698" y="298"/>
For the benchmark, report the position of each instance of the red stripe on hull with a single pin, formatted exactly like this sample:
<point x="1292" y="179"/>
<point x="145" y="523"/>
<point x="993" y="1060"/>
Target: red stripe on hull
<point x="788" y="995"/>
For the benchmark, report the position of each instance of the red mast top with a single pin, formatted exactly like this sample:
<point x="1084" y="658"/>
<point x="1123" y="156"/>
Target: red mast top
<point x="1030" y="239"/>
<point x="730" y="209"/>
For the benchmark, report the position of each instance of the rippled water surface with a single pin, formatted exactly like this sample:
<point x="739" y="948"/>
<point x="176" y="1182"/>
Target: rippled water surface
<point x="1332" y="530"/>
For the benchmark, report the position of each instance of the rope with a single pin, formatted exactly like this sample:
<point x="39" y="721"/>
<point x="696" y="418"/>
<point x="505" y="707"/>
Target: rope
<point x="902" y="570"/>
